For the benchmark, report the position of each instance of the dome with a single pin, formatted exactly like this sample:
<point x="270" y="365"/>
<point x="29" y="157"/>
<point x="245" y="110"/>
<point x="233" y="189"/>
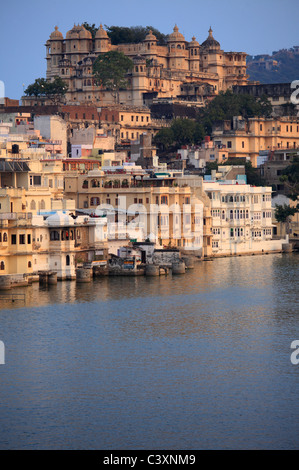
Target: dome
<point x="56" y="34"/>
<point x="101" y="33"/>
<point x="150" y="36"/>
<point x="176" y="36"/>
<point x="74" y="33"/>
<point x="210" y="42"/>
<point x="193" y="43"/>
<point x="60" y="219"/>
<point x="84" y="33"/>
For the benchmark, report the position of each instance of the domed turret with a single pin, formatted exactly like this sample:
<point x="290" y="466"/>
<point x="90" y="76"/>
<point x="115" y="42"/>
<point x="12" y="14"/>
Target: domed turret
<point x="84" y="33"/>
<point x="193" y="43"/>
<point x="56" y="35"/>
<point x="150" y="37"/>
<point x="176" y="36"/>
<point x="102" y="40"/>
<point x="210" y="42"/>
<point x="101" y="33"/>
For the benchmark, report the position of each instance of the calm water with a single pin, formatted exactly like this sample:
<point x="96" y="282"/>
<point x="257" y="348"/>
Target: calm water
<point x="199" y="361"/>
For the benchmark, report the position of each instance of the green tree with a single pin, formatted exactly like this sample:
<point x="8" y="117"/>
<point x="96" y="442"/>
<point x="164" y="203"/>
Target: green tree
<point x="54" y="90"/>
<point x="110" y="71"/>
<point x="227" y="105"/>
<point x="283" y="213"/>
<point x="164" y="138"/>
<point x="91" y="28"/>
<point x="38" y="88"/>
<point x="132" y="34"/>
<point x="290" y="178"/>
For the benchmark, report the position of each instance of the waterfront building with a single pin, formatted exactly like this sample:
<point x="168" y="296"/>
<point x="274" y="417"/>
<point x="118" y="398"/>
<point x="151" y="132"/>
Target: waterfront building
<point x="169" y="211"/>
<point x="15" y="243"/>
<point x="241" y="218"/>
<point x="61" y="242"/>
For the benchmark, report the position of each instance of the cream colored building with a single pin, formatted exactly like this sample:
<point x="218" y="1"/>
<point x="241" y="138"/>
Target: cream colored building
<point x="241" y="218"/>
<point x="159" y="70"/>
<point x="60" y="242"/>
<point x="15" y="243"/>
<point x="160" y="207"/>
<point x="249" y="138"/>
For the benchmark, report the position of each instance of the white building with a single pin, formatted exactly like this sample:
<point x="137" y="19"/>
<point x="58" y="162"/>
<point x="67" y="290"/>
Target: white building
<point x="60" y="241"/>
<point x="241" y="218"/>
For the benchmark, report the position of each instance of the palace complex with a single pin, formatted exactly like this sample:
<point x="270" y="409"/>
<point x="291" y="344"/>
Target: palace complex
<point x="180" y="69"/>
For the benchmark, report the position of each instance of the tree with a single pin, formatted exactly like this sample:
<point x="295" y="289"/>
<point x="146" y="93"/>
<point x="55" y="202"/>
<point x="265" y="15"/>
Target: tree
<point x="164" y="138"/>
<point x="283" y="214"/>
<point x="227" y="105"/>
<point x="110" y="70"/>
<point x="91" y="28"/>
<point x="290" y="178"/>
<point x="54" y="90"/>
<point x="181" y="132"/>
<point x="37" y="88"/>
<point x="133" y="34"/>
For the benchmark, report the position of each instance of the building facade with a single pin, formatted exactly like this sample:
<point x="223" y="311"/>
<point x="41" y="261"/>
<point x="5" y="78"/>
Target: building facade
<point x="159" y="70"/>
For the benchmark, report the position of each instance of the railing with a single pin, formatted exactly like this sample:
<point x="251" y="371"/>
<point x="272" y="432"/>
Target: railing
<point x="15" y="216"/>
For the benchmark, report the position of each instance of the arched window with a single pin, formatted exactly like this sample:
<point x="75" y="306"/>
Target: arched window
<point x="4" y="237"/>
<point x="42" y="204"/>
<point x="54" y="235"/>
<point x="2" y="266"/>
<point x="32" y="205"/>
<point x="67" y="260"/>
<point x="29" y="264"/>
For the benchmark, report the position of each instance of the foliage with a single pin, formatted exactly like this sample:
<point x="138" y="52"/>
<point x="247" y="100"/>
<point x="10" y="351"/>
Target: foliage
<point x="110" y="70"/>
<point x="164" y="138"/>
<point x="181" y="132"/>
<point x="54" y="90"/>
<point x="227" y="105"/>
<point x="282" y="213"/>
<point x="133" y="34"/>
<point x="91" y="28"/>
<point x="290" y="178"/>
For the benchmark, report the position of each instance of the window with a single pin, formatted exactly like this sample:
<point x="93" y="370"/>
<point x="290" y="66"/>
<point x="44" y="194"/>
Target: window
<point x="5" y="237"/>
<point x="13" y="239"/>
<point x="67" y="260"/>
<point x="29" y="239"/>
<point x="29" y="264"/>
<point x="2" y="266"/>
<point x="54" y="235"/>
<point x="229" y="144"/>
<point x="164" y="200"/>
<point x="37" y="180"/>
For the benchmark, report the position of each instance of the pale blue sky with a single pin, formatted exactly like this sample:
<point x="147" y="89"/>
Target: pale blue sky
<point x="254" y="26"/>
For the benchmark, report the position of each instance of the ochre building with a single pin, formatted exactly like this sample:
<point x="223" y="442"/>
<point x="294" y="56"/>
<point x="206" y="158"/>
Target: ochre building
<point x="160" y="71"/>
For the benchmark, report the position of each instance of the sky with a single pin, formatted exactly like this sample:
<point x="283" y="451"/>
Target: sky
<point x="254" y="27"/>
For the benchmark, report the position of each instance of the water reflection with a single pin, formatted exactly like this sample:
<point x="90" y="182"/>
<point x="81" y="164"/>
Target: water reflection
<point x="196" y="361"/>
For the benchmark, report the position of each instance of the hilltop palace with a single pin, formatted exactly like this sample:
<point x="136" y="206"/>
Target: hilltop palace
<point x="178" y="70"/>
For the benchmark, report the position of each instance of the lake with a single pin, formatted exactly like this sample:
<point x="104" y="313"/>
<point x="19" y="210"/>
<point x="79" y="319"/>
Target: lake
<point x="186" y="362"/>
